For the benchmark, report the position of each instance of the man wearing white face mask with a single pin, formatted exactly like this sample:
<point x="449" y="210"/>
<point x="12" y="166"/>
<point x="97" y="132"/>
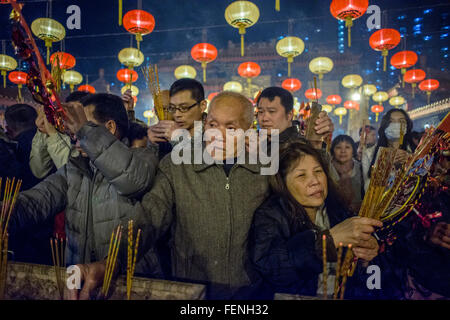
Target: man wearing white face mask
<point x="393" y="124"/>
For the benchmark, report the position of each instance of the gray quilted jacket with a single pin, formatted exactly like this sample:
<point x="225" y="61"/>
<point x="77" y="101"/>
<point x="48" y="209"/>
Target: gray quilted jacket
<point x="97" y="193"/>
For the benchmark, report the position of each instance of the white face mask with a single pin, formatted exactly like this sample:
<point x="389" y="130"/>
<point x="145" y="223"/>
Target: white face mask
<point x="393" y="131"/>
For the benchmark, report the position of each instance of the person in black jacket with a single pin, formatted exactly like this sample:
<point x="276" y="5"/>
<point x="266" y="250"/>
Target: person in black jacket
<point x="285" y="241"/>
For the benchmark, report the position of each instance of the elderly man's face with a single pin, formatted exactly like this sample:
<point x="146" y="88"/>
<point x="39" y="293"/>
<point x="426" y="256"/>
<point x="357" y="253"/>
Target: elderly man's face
<point x="226" y="113"/>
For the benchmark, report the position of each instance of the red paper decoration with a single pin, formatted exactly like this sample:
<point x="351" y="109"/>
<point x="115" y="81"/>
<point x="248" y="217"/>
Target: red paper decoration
<point x="66" y="60"/>
<point x="350" y="104"/>
<point x="292" y="84"/>
<point x="86" y="88"/>
<point x="384" y="40"/>
<point x="334" y="99"/>
<point x="313" y="94"/>
<point x="348" y="10"/>
<point x="126" y="75"/>
<point x="138" y="22"/>
<point x="204" y="53"/>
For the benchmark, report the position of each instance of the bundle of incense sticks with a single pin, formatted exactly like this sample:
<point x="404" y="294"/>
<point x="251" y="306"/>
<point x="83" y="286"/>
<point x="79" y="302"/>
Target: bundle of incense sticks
<point x="10" y="193"/>
<point x="151" y="76"/>
<point x="111" y="261"/>
<point x="344" y="271"/>
<point x="325" y="267"/>
<point x="338" y="272"/>
<point x="58" y="247"/>
<point x="56" y="73"/>
<point x="377" y="199"/>
<point x="132" y="255"/>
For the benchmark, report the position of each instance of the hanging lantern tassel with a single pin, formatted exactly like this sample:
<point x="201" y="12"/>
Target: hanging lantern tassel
<point x="413" y="90"/>
<point x="403" y="78"/>
<point x="48" y="44"/>
<point x="242" y="32"/>
<point x="19" y="86"/>
<point x="204" y="71"/>
<point x="290" y="60"/>
<point x="384" y="53"/>
<point x="376" y="117"/>
<point x="120" y="12"/>
<point x="428" y="97"/>
<point x="71" y="87"/>
<point x="340" y="119"/>
<point x="277" y="5"/>
<point x="138" y="40"/>
<point x="4" y="78"/>
<point x="349" y="24"/>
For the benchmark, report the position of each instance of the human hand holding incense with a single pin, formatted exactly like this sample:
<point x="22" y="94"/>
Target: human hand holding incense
<point x="76" y="117"/>
<point x="356" y="231"/>
<point x="92" y="275"/>
<point x="367" y="250"/>
<point x="162" y="131"/>
<point x="401" y="156"/>
<point x="323" y="127"/>
<point x="128" y="100"/>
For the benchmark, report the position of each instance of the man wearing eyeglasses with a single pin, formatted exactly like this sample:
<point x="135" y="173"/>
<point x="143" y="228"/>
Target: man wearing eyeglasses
<point x="187" y="105"/>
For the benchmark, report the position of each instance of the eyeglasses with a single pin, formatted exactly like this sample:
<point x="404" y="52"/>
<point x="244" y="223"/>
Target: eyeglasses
<point x="173" y="109"/>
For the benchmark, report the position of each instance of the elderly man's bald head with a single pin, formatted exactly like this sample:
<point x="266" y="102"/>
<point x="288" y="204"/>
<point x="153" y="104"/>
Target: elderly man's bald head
<point x="236" y="104"/>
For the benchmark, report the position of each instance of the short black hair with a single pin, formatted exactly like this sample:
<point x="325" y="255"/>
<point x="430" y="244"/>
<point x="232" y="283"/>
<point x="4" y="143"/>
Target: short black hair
<point x="136" y="131"/>
<point x="191" y="85"/>
<point x="21" y="116"/>
<point x="108" y="107"/>
<point x="287" y="101"/>
<point x="371" y="128"/>
<point x="77" y="96"/>
<point x="343" y="138"/>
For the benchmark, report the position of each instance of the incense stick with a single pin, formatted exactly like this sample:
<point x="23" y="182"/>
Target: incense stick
<point x="152" y="79"/>
<point x="111" y="259"/>
<point x="324" y="261"/>
<point x="132" y="255"/>
<point x="348" y="256"/>
<point x="338" y="272"/>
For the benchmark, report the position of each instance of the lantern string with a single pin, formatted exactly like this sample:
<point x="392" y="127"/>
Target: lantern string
<point x="3" y="46"/>
<point x="139" y="4"/>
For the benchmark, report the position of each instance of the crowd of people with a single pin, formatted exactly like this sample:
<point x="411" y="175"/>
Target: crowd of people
<point x="244" y="234"/>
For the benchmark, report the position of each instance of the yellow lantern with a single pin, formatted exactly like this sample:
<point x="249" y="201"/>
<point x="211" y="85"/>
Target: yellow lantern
<point x="233" y="86"/>
<point x="185" y="71"/>
<point x="290" y="47"/>
<point x="352" y="81"/>
<point x="320" y="66"/>
<point x="397" y="101"/>
<point x="380" y="97"/>
<point x="369" y="89"/>
<point x="7" y="63"/>
<point x="134" y="90"/>
<point x="72" y="78"/>
<point x="340" y="112"/>
<point x="327" y="108"/>
<point x="149" y="114"/>
<point x="242" y="15"/>
<point x="131" y="57"/>
<point x="48" y="30"/>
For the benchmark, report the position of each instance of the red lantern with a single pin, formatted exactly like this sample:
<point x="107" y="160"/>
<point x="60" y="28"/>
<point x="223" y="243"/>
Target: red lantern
<point x="350" y="104"/>
<point x="428" y="86"/>
<point x="212" y="95"/>
<point x="348" y="10"/>
<point x="249" y="70"/>
<point x="19" y="78"/>
<point x="138" y="22"/>
<point x="86" y="88"/>
<point x="384" y="40"/>
<point x="292" y="84"/>
<point x="66" y="60"/>
<point x="204" y="53"/>
<point x="334" y="99"/>
<point x="127" y="75"/>
<point x="377" y="109"/>
<point x="404" y="59"/>
<point x="313" y="94"/>
<point x="414" y="76"/>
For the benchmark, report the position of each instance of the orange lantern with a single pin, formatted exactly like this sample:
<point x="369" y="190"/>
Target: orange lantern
<point x="138" y="22"/>
<point x="384" y="40"/>
<point x="377" y="109"/>
<point x="404" y="59"/>
<point x="428" y="86"/>
<point x="350" y="104"/>
<point x="292" y="84"/>
<point x="127" y="76"/>
<point x="86" y="88"/>
<point x="313" y="94"/>
<point x="348" y="10"/>
<point x="414" y="76"/>
<point x="19" y="78"/>
<point x="334" y="99"/>
<point x="204" y="53"/>
<point x="249" y="70"/>
<point x="66" y="60"/>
